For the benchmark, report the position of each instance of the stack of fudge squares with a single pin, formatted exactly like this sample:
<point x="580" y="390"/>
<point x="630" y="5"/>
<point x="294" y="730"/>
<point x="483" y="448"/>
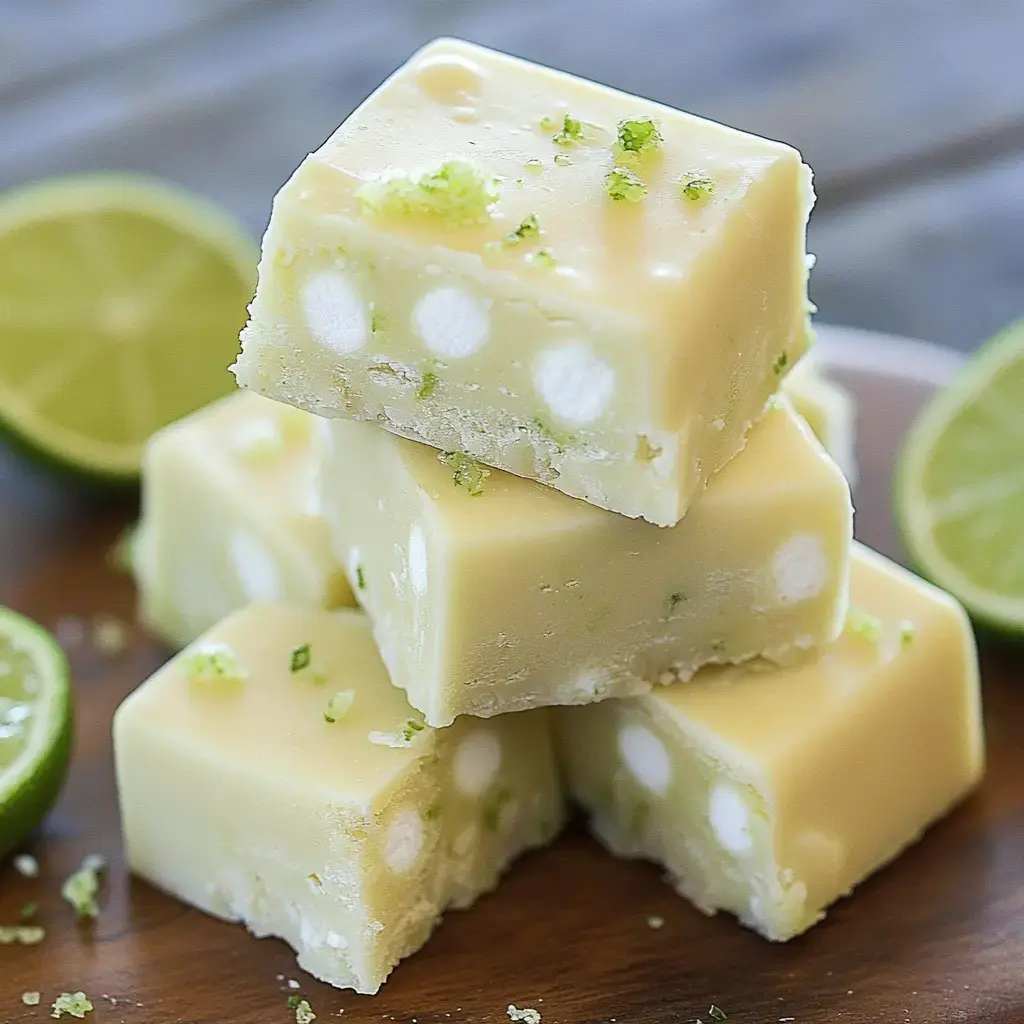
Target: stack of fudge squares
<point x="517" y="385"/>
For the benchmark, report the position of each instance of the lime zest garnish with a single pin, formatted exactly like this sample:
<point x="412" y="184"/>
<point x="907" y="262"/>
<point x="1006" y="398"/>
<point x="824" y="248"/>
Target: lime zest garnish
<point x="528" y="228"/>
<point x="527" y="1014"/>
<point x="907" y="632"/>
<point x="21" y="934"/>
<point x="75" y="1004"/>
<point x="81" y="887"/>
<point x="403" y="737"/>
<point x="28" y="911"/>
<point x="570" y="133"/>
<point x="455" y="192"/>
<point x="303" y="1011"/>
<point x="781" y="361"/>
<point x="861" y="622"/>
<point x="541" y="258"/>
<point x="301" y="657"/>
<point x="428" y="386"/>
<point x="466" y="471"/>
<point x="360" y="578"/>
<point x="696" y="186"/>
<point x="636" y="137"/>
<point x="338" y="705"/>
<point x="214" y="662"/>
<point x="622" y="183"/>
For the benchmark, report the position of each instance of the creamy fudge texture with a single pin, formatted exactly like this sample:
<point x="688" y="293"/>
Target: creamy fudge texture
<point x="770" y="794"/>
<point x="829" y="409"/>
<point x="490" y="593"/>
<point x="453" y="264"/>
<point x="270" y="774"/>
<point x="230" y="515"/>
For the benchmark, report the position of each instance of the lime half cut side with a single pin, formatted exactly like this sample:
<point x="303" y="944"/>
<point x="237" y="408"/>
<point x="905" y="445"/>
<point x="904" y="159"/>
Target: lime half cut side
<point x="121" y="300"/>
<point x="35" y="725"/>
<point x="960" y="485"/>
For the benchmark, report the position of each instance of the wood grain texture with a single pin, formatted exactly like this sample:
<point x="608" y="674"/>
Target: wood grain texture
<point x="934" y="938"/>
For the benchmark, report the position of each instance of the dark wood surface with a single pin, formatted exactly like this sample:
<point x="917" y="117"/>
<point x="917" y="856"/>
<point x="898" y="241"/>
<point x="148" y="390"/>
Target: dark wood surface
<point x="938" y="936"/>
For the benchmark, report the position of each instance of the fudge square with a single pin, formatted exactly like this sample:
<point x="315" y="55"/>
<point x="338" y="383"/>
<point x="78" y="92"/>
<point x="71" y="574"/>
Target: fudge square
<point x="230" y="514"/>
<point x="490" y="593"/>
<point x="770" y="794"/>
<point x="566" y="282"/>
<point x="271" y="774"/>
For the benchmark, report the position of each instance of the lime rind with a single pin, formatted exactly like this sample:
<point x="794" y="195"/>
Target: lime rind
<point x="31" y="783"/>
<point x="998" y="604"/>
<point x="211" y="229"/>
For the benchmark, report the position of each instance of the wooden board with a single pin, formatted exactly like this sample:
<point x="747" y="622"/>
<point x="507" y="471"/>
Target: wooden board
<point x="935" y="937"/>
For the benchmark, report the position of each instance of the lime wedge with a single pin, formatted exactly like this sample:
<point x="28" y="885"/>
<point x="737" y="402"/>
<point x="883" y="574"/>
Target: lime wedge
<point x="121" y="300"/>
<point x="960" y="485"/>
<point x="35" y="725"/>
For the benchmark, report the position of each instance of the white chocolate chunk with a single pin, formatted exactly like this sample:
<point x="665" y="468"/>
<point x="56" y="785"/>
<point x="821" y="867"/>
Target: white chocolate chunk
<point x="574" y="383"/>
<point x="335" y="314"/>
<point x="730" y="819"/>
<point x="417" y="560"/>
<point x="451" y="322"/>
<point x="646" y="758"/>
<point x="477" y="760"/>
<point x="800" y="568"/>
<point x="254" y="566"/>
<point x="404" y="840"/>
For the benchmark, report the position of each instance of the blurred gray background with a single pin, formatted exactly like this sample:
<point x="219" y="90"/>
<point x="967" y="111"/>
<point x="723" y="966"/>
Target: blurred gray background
<point x="910" y="111"/>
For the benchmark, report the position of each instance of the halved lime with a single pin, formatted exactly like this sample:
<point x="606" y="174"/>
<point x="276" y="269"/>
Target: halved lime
<point x="35" y="725"/>
<point x="959" y="493"/>
<point x="121" y="300"/>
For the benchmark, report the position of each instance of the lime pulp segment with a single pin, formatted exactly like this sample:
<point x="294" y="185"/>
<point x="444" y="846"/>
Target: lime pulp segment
<point x="960" y="484"/>
<point x="121" y="300"/>
<point x="35" y="725"/>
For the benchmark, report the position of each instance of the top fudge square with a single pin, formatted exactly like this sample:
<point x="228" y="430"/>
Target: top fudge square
<point x="566" y="282"/>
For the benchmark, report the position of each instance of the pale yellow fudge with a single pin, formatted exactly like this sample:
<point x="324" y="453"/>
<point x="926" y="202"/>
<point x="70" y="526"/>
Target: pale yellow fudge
<point x="270" y="774"/>
<point x="570" y="283"/>
<point x="490" y="593"/>
<point x="770" y="794"/>
<point x="829" y="409"/>
<point x="230" y="514"/>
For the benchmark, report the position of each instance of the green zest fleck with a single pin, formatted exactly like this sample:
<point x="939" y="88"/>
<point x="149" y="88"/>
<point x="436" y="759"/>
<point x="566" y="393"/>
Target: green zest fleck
<point x="433" y="812"/>
<point x="562" y="159"/>
<point x="402" y="738"/>
<point x="455" y="192"/>
<point x="338" y="705"/>
<point x="541" y="258"/>
<point x="303" y="1011"/>
<point x="528" y="228"/>
<point x="674" y="601"/>
<point x="696" y="186"/>
<point x="781" y="362"/>
<point x="492" y="812"/>
<point x="718" y="646"/>
<point x="636" y="136"/>
<point x="621" y="183"/>
<point x="301" y="658"/>
<point x="360" y="578"/>
<point x="28" y="911"/>
<point x="214" y="662"/>
<point x="75" y="1004"/>
<point x="413" y="726"/>
<point x="429" y="385"/>
<point x="81" y="887"/>
<point x="907" y="632"/>
<point x="21" y="935"/>
<point x="862" y="623"/>
<point x="377" y="321"/>
<point x="466" y="471"/>
<point x="571" y="132"/>
<point x="535" y="164"/>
